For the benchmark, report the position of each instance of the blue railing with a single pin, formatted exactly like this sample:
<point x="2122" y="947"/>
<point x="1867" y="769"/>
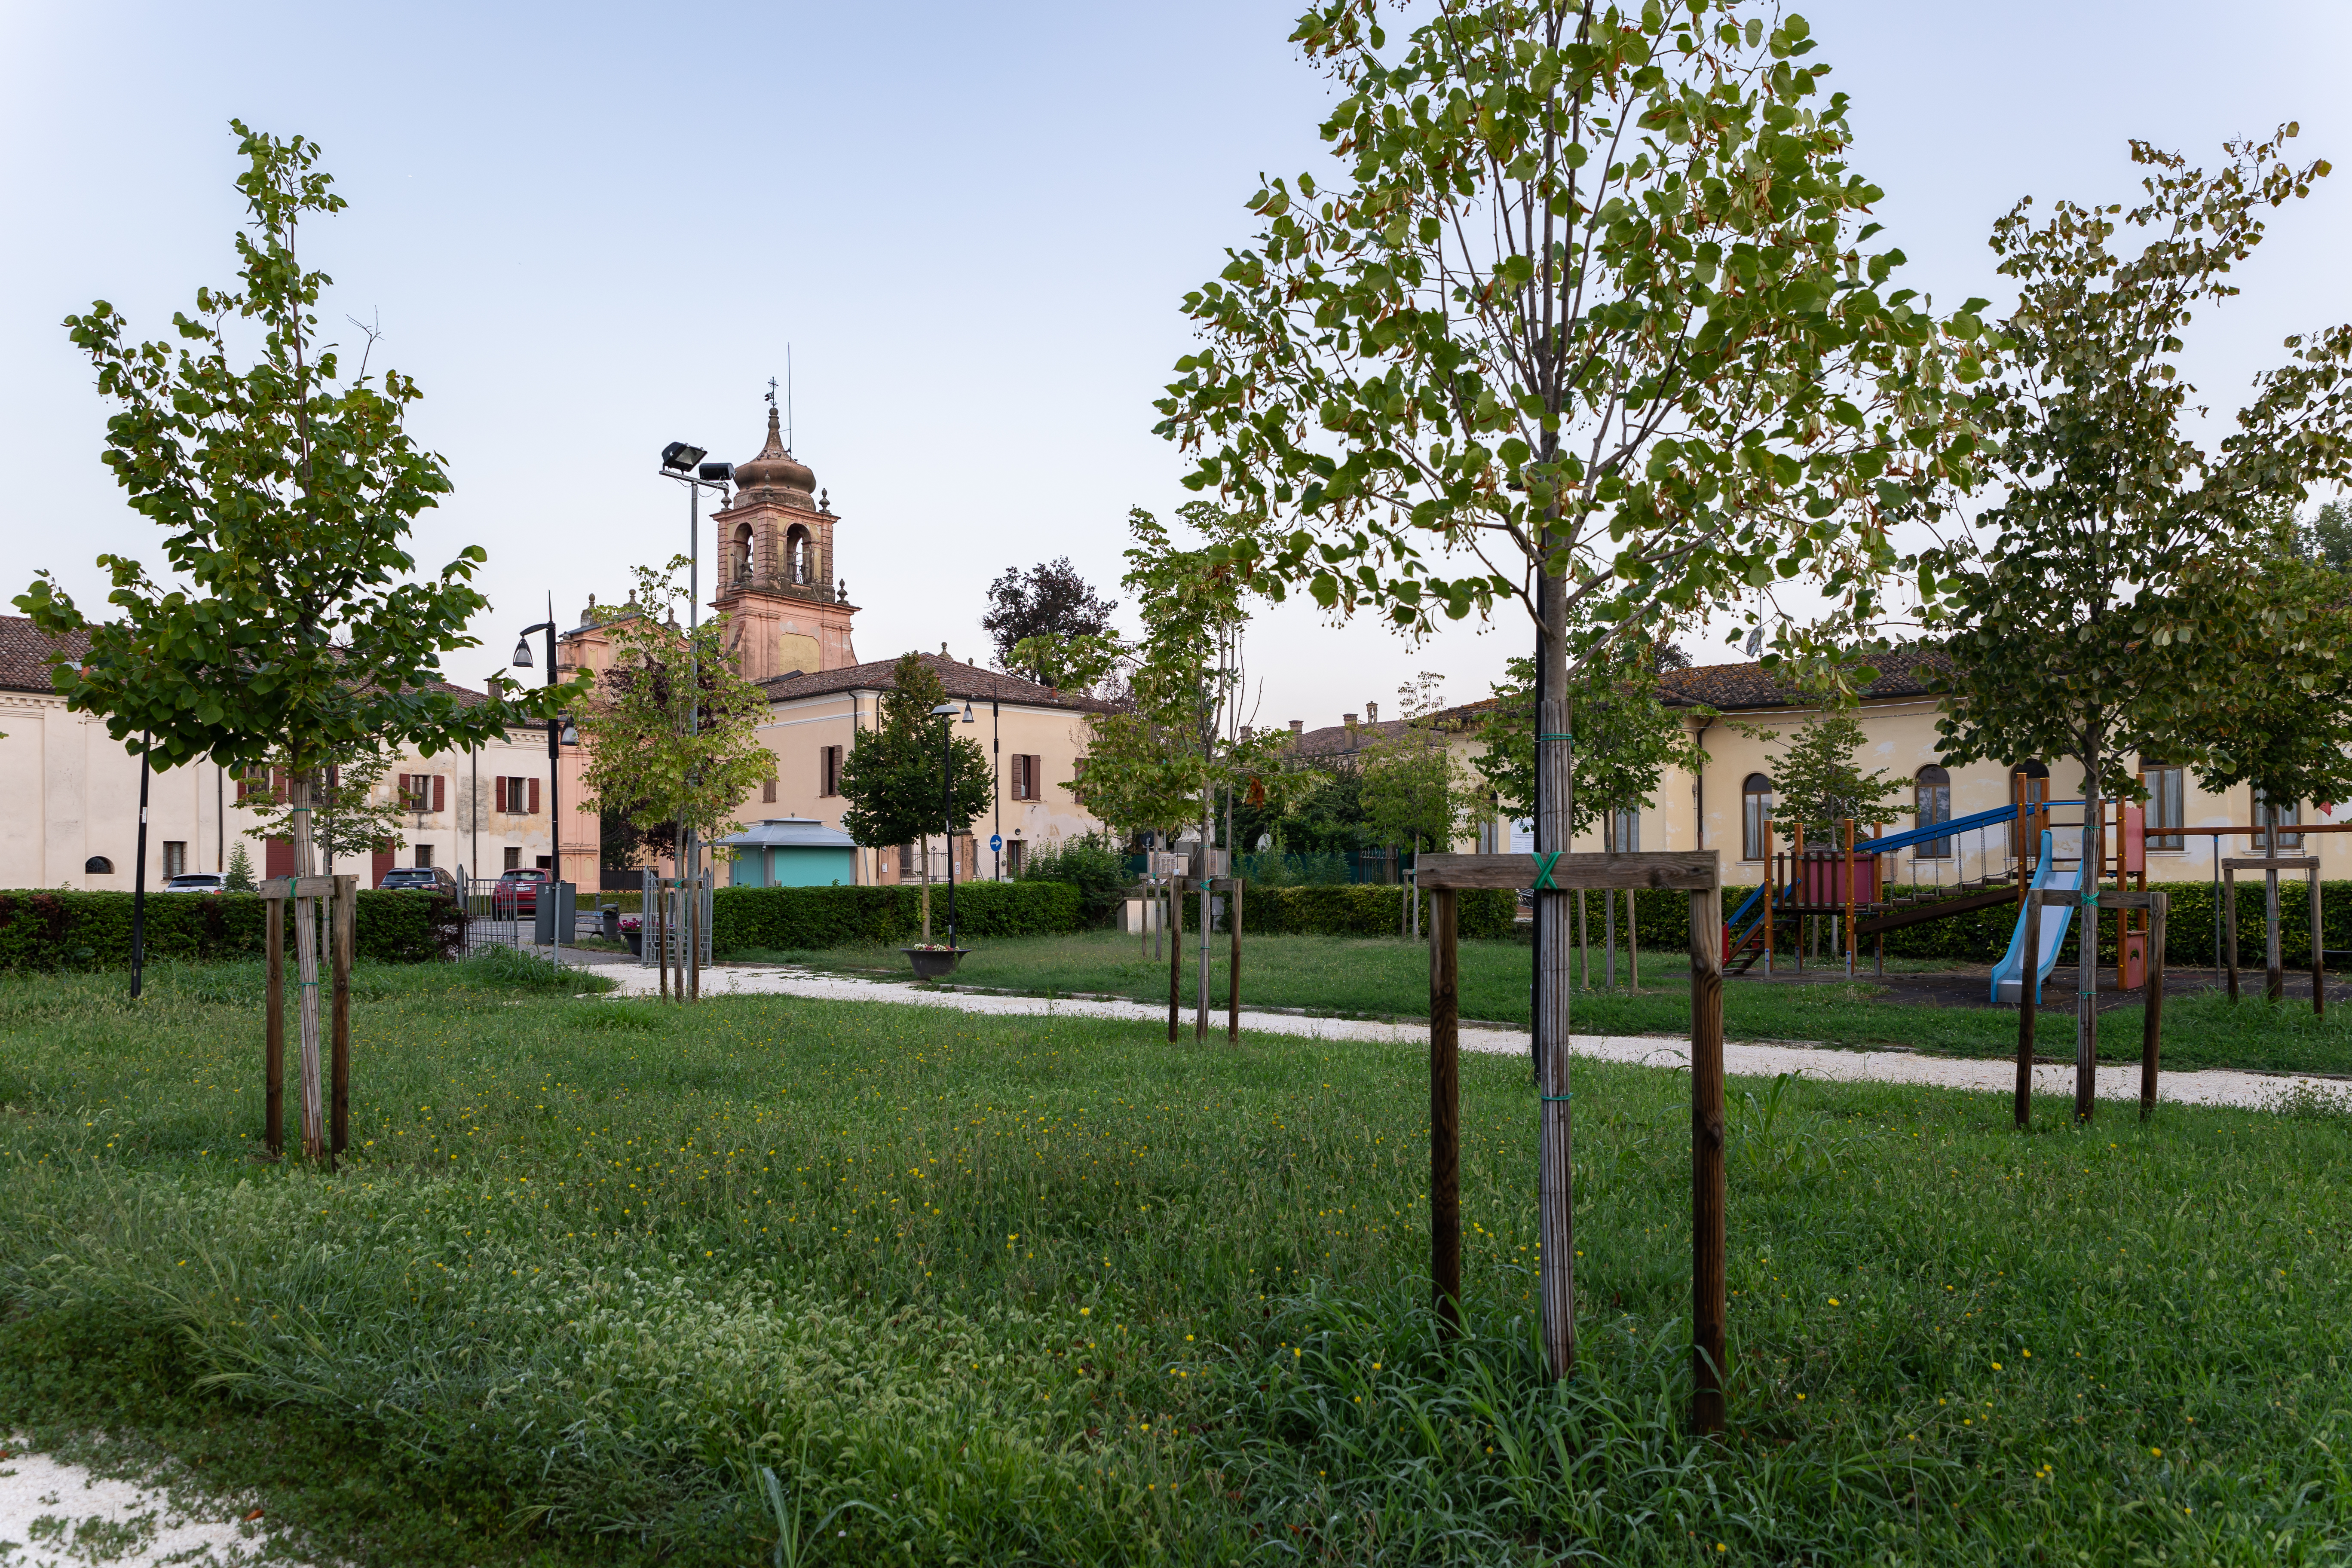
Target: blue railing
<point x="1887" y="845"/>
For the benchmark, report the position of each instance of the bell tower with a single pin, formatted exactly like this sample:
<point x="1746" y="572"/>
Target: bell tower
<point x="775" y="568"/>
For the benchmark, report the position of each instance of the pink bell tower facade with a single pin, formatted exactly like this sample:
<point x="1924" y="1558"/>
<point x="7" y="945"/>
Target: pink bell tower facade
<point x="776" y="584"/>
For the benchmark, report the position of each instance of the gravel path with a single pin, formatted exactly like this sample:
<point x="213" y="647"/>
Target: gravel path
<point x="53" y="1514"/>
<point x="2210" y="1086"/>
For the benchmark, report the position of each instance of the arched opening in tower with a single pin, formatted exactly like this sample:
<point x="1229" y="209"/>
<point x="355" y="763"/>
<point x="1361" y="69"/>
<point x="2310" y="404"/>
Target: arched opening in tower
<point x="739" y="554"/>
<point x="799" y="568"/>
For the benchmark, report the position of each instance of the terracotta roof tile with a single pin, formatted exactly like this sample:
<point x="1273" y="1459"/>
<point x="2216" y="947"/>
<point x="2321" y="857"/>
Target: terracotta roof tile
<point x="964" y="681"/>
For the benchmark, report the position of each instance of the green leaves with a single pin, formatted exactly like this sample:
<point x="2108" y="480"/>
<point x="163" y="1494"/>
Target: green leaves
<point x="912" y="775"/>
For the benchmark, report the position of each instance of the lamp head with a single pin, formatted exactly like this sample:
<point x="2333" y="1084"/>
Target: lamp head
<point x="944" y="711"/>
<point x="716" y="473"/>
<point x="571" y="736"/>
<point x="522" y="653"/>
<point x="679" y="456"/>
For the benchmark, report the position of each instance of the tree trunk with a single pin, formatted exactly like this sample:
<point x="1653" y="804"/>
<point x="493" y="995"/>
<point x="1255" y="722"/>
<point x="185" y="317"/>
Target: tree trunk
<point x="306" y="971"/>
<point x="2086" y="949"/>
<point x="923" y="854"/>
<point x="1208" y="827"/>
<point x="1556" y="1238"/>
<point x="2274" y="976"/>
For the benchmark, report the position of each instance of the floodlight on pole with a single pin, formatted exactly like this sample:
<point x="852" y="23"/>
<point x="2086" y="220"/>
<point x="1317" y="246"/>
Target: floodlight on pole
<point x="680" y="456"/>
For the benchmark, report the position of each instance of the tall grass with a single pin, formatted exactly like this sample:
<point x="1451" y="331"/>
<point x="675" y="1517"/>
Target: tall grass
<point x="982" y="1290"/>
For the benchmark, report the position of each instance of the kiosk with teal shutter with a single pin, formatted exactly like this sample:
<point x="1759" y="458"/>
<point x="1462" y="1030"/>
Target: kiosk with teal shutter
<point x="791" y="852"/>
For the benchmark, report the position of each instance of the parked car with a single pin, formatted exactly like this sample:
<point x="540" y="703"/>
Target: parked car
<point x="419" y="880"/>
<point x="197" y="882"/>
<point x="516" y="892"/>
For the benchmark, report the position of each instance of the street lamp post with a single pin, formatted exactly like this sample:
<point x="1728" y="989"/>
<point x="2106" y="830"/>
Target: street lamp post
<point x="559" y="732"/>
<point x="946" y="713"/>
<point x="682" y="461"/>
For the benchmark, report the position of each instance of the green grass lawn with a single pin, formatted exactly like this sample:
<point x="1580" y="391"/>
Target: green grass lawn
<point x="1365" y="976"/>
<point x="994" y="1290"/>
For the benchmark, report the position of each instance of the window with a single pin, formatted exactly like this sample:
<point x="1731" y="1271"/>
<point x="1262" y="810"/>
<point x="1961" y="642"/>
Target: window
<point x="1624" y="831"/>
<point x="1014" y="857"/>
<point x="175" y="858"/>
<point x="2168" y="794"/>
<point x="425" y="857"/>
<point x="424" y="793"/>
<point x="98" y="865"/>
<point x="905" y="859"/>
<point x="514" y="858"/>
<point x="1931" y="801"/>
<point x="740" y="558"/>
<point x="518" y="795"/>
<point x="798" y="567"/>
<point x="1028" y="777"/>
<point x="828" y="771"/>
<point x="1755" y="811"/>
<point x="2291" y="812"/>
<point x="251" y="785"/>
<point x="767" y="792"/>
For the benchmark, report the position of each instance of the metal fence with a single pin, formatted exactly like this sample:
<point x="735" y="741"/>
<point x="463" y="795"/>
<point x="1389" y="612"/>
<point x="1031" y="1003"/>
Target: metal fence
<point x="662" y="912"/>
<point x="503" y="914"/>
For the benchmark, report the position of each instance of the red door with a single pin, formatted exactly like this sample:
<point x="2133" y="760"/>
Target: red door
<point x="378" y="864"/>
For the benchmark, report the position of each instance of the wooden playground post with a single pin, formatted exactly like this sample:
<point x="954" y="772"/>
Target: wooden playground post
<point x="2028" y="975"/>
<point x="2230" y="883"/>
<point x="273" y="1027"/>
<point x="1701" y="876"/>
<point x="2151" y="1028"/>
<point x="2318" y="953"/>
<point x="1175" y="951"/>
<point x="1853" y="942"/>
<point x="1444" y="1112"/>
<point x="1803" y="884"/>
<point x="1771" y="890"/>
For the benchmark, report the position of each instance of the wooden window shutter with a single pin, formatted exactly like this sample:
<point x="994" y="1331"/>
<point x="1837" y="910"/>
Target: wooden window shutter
<point x="534" y="797"/>
<point x="768" y="791"/>
<point x="501" y="782"/>
<point x="440" y="798"/>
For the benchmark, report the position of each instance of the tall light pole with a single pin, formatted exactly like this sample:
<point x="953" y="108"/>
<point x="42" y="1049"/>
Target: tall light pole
<point x="683" y="461"/>
<point x="559" y="732"/>
<point x="946" y="714"/>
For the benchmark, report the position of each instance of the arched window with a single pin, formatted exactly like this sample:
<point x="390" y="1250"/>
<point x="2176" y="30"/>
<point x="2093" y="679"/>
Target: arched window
<point x="738" y="558"/>
<point x="1931" y="794"/>
<point x="1755" y="811"/>
<point x="798" y="567"/>
<point x="98" y="865"/>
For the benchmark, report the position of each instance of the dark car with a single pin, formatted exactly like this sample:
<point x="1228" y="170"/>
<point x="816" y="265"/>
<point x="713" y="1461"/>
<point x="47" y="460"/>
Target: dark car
<point x="518" y="892"/>
<point x="197" y="882"/>
<point x="418" y="880"/>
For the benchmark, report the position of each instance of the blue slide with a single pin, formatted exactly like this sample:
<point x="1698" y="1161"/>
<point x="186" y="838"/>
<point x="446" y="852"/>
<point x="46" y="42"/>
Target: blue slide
<point x="2007" y="982"/>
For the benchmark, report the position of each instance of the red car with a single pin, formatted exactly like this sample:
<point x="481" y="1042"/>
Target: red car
<point x="516" y="892"/>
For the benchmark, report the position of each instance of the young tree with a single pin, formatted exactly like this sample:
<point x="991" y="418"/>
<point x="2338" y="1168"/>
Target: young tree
<point x="892" y="775"/>
<point x="1174" y="746"/>
<point x="2327" y="537"/>
<point x="1590" y="310"/>
<point x="1627" y="738"/>
<point x="295" y="629"/>
<point x="2079" y="629"/>
<point x="1414" y="794"/>
<point x="671" y="736"/>
<point x="1050" y="602"/>
<point x="239" y="876"/>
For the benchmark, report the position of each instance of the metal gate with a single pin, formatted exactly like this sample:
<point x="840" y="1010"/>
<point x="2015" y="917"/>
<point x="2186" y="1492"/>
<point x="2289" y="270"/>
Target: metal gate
<point x="494" y="918"/>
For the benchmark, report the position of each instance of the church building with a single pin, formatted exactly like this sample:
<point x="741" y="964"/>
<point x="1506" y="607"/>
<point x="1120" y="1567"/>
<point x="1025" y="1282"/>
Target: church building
<point x="790" y="618"/>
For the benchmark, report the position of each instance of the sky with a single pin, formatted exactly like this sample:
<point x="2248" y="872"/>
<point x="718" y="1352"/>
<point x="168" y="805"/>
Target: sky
<point x="588" y="230"/>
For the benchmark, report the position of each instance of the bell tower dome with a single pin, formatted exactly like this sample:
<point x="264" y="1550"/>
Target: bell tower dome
<point x="775" y="568"/>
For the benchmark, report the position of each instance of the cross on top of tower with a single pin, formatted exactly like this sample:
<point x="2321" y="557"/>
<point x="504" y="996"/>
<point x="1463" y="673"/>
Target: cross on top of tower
<point x="772" y="392"/>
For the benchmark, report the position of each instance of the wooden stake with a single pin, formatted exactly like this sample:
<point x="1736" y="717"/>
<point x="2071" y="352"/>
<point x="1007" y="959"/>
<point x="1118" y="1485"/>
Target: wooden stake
<point x="2230" y="875"/>
<point x="2319" y="958"/>
<point x="273" y="1013"/>
<point x="1175" y="951"/>
<point x="2151" y="1028"/>
<point x="1233" y="973"/>
<point x="2026" y="1010"/>
<point x="1632" y="948"/>
<point x="1707" y="1304"/>
<point x="341" y="923"/>
<point x="1444" y="1112"/>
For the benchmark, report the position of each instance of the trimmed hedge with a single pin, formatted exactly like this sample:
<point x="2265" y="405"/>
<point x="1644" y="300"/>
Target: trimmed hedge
<point x="1362" y="908"/>
<point x="788" y="919"/>
<point x="67" y="929"/>
<point x="1981" y="936"/>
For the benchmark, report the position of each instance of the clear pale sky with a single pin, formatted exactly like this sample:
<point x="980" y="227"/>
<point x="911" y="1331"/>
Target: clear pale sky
<point x="588" y="230"/>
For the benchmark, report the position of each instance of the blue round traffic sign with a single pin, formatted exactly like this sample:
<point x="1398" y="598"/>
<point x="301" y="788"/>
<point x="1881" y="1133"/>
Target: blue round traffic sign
<point x="996" y="844"/>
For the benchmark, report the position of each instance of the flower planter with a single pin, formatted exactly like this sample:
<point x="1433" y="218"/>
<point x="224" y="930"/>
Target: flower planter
<point x="934" y="963"/>
<point x="636" y="940"/>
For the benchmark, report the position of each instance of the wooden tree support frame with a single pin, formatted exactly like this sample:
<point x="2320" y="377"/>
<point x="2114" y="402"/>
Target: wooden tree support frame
<point x="343" y="893"/>
<point x="1178" y="886"/>
<point x="2151" y="1032"/>
<point x="2275" y="988"/>
<point x="1442" y="876"/>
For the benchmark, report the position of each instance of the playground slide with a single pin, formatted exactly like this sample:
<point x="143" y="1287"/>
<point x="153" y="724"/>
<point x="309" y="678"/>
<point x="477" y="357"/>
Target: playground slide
<point x="2007" y="981"/>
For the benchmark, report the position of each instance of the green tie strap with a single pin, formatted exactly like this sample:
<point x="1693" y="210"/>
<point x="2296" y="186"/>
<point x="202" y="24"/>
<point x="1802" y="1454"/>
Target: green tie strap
<point x="1544" y="863"/>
